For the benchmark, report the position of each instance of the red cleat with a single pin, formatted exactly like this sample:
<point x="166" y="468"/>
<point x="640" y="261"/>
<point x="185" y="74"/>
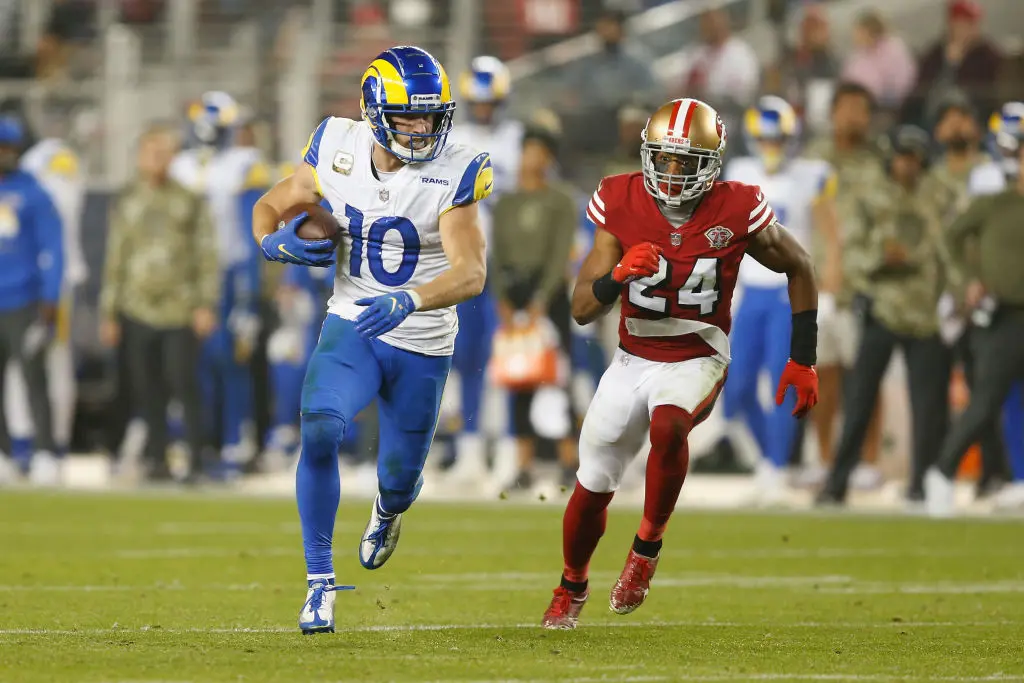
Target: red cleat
<point x="630" y="590"/>
<point x="565" y="608"/>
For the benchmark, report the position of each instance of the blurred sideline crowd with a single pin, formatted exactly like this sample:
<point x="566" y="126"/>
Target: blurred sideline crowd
<point x="912" y="223"/>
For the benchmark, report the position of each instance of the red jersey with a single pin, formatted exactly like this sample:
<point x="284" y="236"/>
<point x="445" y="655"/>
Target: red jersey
<point x="683" y="311"/>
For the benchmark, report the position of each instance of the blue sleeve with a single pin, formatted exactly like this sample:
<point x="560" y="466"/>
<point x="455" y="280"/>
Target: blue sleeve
<point x="476" y="182"/>
<point x="48" y="235"/>
<point x="311" y="153"/>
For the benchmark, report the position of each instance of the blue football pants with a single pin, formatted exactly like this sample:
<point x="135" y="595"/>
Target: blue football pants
<point x="760" y="341"/>
<point x="344" y="375"/>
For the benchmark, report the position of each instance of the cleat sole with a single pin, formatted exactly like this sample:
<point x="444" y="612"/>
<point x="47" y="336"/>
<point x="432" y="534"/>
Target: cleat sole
<point x="314" y="631"/>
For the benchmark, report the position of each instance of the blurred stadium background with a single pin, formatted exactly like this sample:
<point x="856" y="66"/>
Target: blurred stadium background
<point x="95" y="73"/>
<point x="117" y="567"/>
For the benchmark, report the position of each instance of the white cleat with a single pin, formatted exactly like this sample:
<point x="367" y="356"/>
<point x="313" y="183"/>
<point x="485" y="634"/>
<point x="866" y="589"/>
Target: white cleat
<point x="45" y="469"/>
<point x="770" y="488"/>
<point x="471" y="460"/>
<point x="938" y="494"/>
<point x="8" y="470"/>
<point x="866" y="477"/>
<point x="1011" y="497"/>
<point x="317" y="615"/>
<point x="380" y="537"/>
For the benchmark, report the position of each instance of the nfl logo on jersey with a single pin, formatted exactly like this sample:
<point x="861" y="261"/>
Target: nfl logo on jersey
<point x="677" y="238"/>
<point x="718" y="236"/>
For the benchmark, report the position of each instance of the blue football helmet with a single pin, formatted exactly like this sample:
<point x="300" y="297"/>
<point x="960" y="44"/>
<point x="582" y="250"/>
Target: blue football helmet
<point x="213" y="119"/>
<point x="1006" y="131"/>
<point x="772" y="121"/>
<point x="487" y="81"/>
<point x="12" y="133"/>
<point x="407" y="80"/>
<point x="12" y="138"/>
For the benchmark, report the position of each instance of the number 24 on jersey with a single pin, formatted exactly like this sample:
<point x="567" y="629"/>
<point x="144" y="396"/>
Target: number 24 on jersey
<point x="699" y="291"/>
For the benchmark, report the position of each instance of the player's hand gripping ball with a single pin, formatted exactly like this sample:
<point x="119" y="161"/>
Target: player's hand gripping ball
<point x="308" y="236"/>
<point x="804" y="381"/>
<point x="642" y="260"/>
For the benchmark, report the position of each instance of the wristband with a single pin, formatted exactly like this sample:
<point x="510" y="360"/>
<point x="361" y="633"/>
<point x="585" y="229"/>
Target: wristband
<point x="803" y="346"/>
<point x="417" y="300"/>
<point x="606" y="290"/>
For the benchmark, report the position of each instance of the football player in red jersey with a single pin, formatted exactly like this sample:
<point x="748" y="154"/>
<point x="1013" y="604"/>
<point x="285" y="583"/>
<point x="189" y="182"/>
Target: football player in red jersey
<point x="668" y="244"/>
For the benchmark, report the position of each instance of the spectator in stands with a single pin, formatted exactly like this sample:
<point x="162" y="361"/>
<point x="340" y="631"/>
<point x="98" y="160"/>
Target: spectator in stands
<point x="962" y="58"/>
<point x="161" y="282"/>
<point x="858" y="165"/>
<point x="370" y="35"/>
<point x="597" y="86"/>
<point x="534" y="230"/>
<point x="996" y="295"/>
<point x="69" y="22"/>
<point x="632" y="120"/>
<point x="880" y="61"/>
<point x="141" y="11"/>
<point x="724" y="70"/>
<point x="947" y="185"/>
<point x="809" y="66"/>
<point x="900" y="259"/>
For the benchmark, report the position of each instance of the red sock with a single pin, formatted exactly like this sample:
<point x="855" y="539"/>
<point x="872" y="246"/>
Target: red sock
<point x="666" y="469"/>
<point x="585" y="519"/>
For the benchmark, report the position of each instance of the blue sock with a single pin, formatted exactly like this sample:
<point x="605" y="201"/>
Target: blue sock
<point x="1013" y="430"/>
<point x="318" y="488"/>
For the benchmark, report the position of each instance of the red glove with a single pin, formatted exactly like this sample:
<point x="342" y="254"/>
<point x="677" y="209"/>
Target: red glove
<point x="642" y="260"/>
<point x="804" y="381"/>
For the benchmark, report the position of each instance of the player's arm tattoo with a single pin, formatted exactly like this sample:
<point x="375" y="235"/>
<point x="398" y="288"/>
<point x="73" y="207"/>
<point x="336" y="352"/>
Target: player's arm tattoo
<point x="603" y="256"/>
<point x="300" y="187"/>
<point x="466" y="250"/>
<point x="775" y="248"/>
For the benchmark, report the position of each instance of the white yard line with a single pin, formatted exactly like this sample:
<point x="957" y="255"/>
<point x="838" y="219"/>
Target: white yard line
<point x="408" y="628"/>
<point x="509" y="582"/>
<point x="751" y="676"/>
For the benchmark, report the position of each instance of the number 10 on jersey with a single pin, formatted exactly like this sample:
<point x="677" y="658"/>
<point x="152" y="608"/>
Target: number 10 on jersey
<point x="374" y="239"/>
<point x="699" y="291"/>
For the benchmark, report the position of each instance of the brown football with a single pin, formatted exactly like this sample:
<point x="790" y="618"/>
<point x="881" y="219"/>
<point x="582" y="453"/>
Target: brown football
<point x="320" y="225"/>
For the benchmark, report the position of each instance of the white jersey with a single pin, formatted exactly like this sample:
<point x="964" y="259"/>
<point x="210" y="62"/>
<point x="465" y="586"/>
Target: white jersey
<point x="221" y="176"/>
<point x="504" y="142"/>
<point x="791" y="192"/>
<point x="393" y="241"/>
<point x="57" y="169"/>
<point x="987" y="178"/>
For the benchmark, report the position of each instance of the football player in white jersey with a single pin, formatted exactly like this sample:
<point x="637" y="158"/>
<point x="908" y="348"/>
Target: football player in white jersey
<point x="56" y="166"/>
<point x="232" y="178"/>
<point x="486" y="86"/>
<point x="800" y="191"/>
<point x="413" y="249"/>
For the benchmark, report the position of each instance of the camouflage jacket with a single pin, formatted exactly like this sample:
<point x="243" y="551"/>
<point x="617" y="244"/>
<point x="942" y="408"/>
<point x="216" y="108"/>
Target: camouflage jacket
<point x="900" y="261"/>
<point x="947" y="191"/>
<point x="859" y="174"/>
<point x="161" y="263"/>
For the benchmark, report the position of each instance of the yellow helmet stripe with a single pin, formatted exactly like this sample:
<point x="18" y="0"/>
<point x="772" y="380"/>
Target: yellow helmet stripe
<point x="995" y="122"/>
<point x="390" y="81"/>
<point x="446" y="85"/>
<point x="753" y="122"/>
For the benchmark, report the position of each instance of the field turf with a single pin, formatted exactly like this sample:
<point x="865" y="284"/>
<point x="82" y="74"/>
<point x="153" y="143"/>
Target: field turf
<point x="175" y="587"/>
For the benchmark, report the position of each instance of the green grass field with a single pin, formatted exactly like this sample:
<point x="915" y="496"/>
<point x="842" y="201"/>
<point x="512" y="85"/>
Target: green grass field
<point x="166" y="587"/>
